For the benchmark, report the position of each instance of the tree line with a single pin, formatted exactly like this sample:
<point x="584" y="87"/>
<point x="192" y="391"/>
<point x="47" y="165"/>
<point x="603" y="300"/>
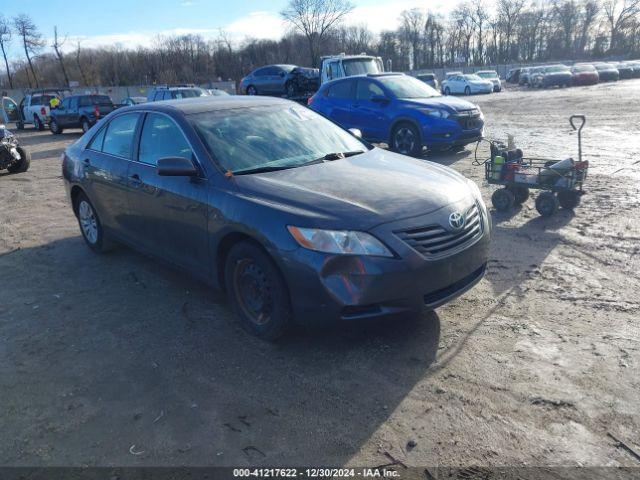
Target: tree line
<point x="473" y="33"/>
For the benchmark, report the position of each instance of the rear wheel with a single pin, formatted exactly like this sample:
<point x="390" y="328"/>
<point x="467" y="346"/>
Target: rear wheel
<point x="447" y="91"/>
<point x="90" y="225"/>
<point x="547" y="204"/>
<point x="251" y="90"/>
<point x="20" y="125"/>
<point x="569" y="199"/>
<point x="257" y="291"/>
<point x="520" y="194"/>
<point x="23" y="164"/>
<point x="85" y="125"/>
<point x="406" y="140"/>
<point x="291" y="89"/>
<point x="467" y="91"/>
<point x="502" y="200"/>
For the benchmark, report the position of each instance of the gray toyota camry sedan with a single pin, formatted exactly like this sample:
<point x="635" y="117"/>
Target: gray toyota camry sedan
<point x="295" y="218"/>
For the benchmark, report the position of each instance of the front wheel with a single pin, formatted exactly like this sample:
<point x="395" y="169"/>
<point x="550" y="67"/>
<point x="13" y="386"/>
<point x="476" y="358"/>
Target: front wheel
<point x="23" y="164"/>
<point x="54" y="127"/>
<point x="85" y="125"/>
<point x="502" y="199"/>
<point x="406" y="140"/>
<point x="547" y="204"/>
<point x="251" y="90"/>
<point x="447" y="91"/>
<point x="20" y="125"/>
<point x="90" y="225"/>
<point x="467" y="91"/>
<point x="257" y="291"/>
<point x="38" y="123"/>
<point x="290" y="89"/>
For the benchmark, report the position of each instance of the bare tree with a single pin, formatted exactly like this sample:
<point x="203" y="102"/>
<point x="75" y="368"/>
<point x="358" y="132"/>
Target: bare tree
<point x="590" y="11"/>
<point x="479" y="17"/>
<point x="79" y="64"/>
<point x="412" y="25"/>
<point x="5" y="39"/>
<point x="31" y="41"/>
<point x="619" y="14"/>
<point x="314" y="18"/>
<point x="57" y="47"/>
<point x="509" y="11"/>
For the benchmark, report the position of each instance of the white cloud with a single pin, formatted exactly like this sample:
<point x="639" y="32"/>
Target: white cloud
<point x="258" y="25"/>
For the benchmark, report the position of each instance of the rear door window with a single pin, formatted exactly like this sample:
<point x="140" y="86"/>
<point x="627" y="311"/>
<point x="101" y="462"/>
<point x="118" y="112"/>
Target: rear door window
<point x="340" y="90"/>
<point x="118" y="139"/>
<point x="73" y="104"/>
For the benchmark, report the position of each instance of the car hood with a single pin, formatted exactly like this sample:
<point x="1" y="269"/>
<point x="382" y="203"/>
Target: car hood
<point x="449" y="103"/>
<point x="358" y="192"/>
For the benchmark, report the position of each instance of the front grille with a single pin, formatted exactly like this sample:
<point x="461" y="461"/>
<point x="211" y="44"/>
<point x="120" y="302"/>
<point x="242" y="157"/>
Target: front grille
<point x="435" y="240"/>
<point x="470" y="123"/>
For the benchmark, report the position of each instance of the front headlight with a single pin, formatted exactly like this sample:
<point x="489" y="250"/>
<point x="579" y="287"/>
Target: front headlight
<point x="435" y="112"/>
<point x="341" y="242"/>
<point x="475" y="190"/>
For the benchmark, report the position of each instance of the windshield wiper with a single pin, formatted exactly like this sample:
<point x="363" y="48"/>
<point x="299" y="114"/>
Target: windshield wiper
<point x="263" y="169"/>
<point x="339" y="155"/>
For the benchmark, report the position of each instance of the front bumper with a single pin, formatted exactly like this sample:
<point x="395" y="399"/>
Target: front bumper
<point x="331" y="288"/>
<point x="453" y="132"/>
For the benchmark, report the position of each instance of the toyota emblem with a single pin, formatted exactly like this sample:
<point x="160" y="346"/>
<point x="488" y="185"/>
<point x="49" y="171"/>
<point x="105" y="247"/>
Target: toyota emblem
<point x="456" y="220"/>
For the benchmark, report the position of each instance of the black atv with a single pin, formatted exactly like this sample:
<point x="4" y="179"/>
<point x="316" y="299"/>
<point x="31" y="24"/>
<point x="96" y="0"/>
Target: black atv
<point x="13" y="157"/>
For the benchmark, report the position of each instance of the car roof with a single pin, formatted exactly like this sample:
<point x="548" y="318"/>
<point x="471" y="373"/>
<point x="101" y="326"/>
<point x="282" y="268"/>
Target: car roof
<point x="193" y="105"/>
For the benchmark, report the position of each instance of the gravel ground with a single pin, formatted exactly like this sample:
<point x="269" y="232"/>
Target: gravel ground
<point x="120" y="360"/>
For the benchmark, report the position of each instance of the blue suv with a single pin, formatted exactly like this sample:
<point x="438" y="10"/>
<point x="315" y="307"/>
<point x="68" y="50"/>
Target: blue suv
<point x="401" y="111"/>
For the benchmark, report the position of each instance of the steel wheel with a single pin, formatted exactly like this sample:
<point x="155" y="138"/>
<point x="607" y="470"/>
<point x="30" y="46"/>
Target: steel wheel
<point x="253" y="290"/>
<point x="88" y="222"/>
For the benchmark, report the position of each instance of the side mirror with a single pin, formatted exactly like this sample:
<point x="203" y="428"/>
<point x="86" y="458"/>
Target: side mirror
<point x="379" y="99"/>
<point x="176" y="167"/>
<point x="355" y="132"/>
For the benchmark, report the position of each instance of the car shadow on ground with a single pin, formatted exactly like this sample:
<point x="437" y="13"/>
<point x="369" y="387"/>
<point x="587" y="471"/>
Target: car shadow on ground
<point x="107" y="354"/>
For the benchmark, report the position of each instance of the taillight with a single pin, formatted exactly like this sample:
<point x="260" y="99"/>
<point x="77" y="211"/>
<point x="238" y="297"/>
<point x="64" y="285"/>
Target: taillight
<point x="96" y="111"/>
<point x="43" y="111"/>
<point x="310" y="101"/>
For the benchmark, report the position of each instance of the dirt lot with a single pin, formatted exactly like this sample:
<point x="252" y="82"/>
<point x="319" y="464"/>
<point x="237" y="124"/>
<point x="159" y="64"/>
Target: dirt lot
<point x="119" y="360"/>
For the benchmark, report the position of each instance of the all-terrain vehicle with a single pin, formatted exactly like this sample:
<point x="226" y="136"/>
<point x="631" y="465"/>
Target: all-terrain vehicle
<point x="13" y="157"/>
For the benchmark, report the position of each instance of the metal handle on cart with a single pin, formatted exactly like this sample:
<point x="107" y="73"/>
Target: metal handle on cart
<point x="579" y="129"/>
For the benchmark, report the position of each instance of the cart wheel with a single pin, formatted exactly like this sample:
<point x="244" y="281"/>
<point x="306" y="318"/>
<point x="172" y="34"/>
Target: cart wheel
<point x="569" y="199"/>
<point x="503" y="199"/>
<point x="547" y="204"/>
<point x="521" y="194"/>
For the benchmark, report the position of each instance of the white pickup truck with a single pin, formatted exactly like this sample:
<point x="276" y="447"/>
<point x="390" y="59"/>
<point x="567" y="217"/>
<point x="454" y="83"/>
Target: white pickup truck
<point x="35" y="109"/>
<point x="339" y="66"/>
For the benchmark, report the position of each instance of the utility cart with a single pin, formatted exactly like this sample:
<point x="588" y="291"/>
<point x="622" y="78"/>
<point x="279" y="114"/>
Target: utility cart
<point x="561" y="181"/>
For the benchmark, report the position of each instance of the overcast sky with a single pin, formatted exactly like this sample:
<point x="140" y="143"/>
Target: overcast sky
<point x="137" y="22"/>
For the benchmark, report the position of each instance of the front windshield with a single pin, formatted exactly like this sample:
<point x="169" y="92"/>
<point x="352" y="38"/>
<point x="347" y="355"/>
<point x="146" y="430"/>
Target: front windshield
<point x="584" y="68"/>
<point x="604" y="66"/>
<point x="488" y="74"/>
<point x="280" y="136"/>
<point x="472" y="77"/>
<point x="360" y="66"/>
<point x="408" y="87"/>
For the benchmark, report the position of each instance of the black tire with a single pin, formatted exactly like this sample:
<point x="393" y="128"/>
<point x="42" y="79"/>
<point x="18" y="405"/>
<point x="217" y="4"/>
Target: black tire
<point x="37" y="123"/>
<point x="54" y="127"/>
<point x="467" y="91"/>
<point x="406" y="140"/>
<point x="502" y="200"/>
<point x="257" y="291"/>
<point x="251" y="90"/>
<point x="569" y="199"/>
<point x="84" y="123"/>
<point x="547" y="204"/>
<point x="20" y="125"/>
<point x="457" y="148"/>
<point x="290" y="88"/>
<point x="447" y="91"/>
<point x="100" y="243"/>
<point x="520" y="194"/>
<point x="24" y="163"/>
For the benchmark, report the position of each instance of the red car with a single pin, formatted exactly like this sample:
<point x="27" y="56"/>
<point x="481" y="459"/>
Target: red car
<point x="585" y="75"/>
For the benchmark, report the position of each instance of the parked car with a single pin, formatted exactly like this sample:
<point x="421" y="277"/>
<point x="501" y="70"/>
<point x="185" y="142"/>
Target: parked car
<point x="493" y="77"/>
<point x="175" y="93"/>
<point x="534" y="76"/>
<point x="523" y="78"/>
<point x="35" y="109"/>
<point x="127" y="102"/>
<point x="553" y="76"/>
<point x="635" y="65"/>
<point x="584" y="74"/>
<point x="333" y="67"/>
<point x="466" y="84"/>
<point x="79" y="111"/>
<point x="452" y="74"/>
<point x="401" y="111"/>
<point x="513" y="75"/>
<point x="607" y="72"/>
<point x="268" y="80"/>
<point x="430" y="79"/>
<point x="625" y="71"/>
<point x="216" y="92"/>
<point x="13" y="157"/>
<point x="9" y="111"/>
<point x="294" y="217"/>
<point x="302" y="81"/>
